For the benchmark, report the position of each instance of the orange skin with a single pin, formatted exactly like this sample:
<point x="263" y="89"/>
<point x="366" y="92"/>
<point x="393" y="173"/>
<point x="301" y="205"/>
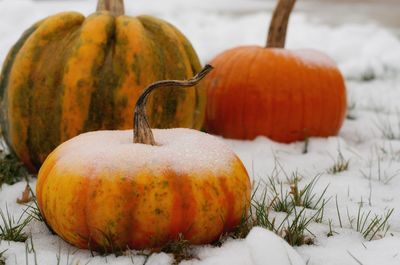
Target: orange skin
<point x="274" y="92"/>
<point x="88" y="204"/>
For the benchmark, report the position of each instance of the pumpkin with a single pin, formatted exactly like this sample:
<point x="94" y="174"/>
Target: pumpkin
<point x="286" y="95"/>
<point x="103" y="191"/>
<point x="69" y="74"/>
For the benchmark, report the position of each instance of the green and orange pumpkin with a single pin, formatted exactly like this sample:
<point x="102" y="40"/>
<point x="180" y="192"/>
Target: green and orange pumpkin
<point x="282" y="94"/>
<point x="109" y="190"/>
<point x="70" y="74"/>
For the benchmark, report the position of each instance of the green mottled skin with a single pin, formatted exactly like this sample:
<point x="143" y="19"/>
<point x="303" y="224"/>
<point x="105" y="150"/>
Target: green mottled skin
<point x="4" y="78"/>
<point x="172" y="56"/>
<point x="43" y="130"/>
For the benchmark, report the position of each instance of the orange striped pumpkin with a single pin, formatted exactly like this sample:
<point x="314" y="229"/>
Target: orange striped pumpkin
<point x="102" y="191"/>
<point x="282" y="94"/>
<point x="69" y="74"/>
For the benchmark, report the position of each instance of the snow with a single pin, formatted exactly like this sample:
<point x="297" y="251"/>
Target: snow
<point x="314" y="58"/>
<point x="368" y="55"/>
<point x="181" y="150"/>
<point x="258" y="248"/>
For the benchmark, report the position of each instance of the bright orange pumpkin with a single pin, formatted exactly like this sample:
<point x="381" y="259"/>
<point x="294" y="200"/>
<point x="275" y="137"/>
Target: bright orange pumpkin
<point x="100" y="190"/>
<point x="69" y="74"/>
<point x="282" y="94"/>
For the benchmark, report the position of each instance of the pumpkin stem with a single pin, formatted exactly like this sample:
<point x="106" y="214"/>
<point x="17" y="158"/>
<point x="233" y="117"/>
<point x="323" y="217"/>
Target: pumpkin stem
<point x="141" y="131"/>
<point x="115" y="7"/>
<point x="279" y="23"/>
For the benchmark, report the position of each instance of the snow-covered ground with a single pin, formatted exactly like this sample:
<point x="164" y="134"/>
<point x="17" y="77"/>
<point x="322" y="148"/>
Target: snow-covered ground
<point x="368" y="55"/>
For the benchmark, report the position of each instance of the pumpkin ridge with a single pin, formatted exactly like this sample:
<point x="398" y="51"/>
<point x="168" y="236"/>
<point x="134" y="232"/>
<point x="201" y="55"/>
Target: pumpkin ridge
<point x="131" y="60"/>
<point x="155" y="32"/>
<point x="209" y="217"/>
<point x="81" y="203"/>
<point x="325" y="115"/>
<point x="337" y="102"/>
<point x="231" y="66"/>
<point x="158" y="58"/>
<point x="20" y="87"/>
<point x="131" y="207"/>
<point x="100" y="114"/>
<point x="342" y="100"/>
<point x="148" y="27"/>
<point x="166" y="104"/>
<point x="273" y="90"/>
<point x="245" y="96"/>
<point x="303" y="104"/>
<point x="276" y="92"/>
<point x="45" y="172"/>
<point x="333" y="103"/>
<point x="46" y="207"/>
<point x="82" y="68"/>
<point x="44" y="132"/>
<point x="90" y="233"/>
<point x="184" y="206"/>
<point x="296" y="68"/>
<point x="4" y="78"/>
<point x="201" y="93"/>
<point x="76" y="212"/>
<point x="230" y="201"/>
<point x="188" y="98"/>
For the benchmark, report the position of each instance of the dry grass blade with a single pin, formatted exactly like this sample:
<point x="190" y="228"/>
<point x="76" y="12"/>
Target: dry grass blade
<point x="180" y="248"/>
<point x="26" y="195"/>
<point x="340" y="165"/>
<point x="306" y="197"/>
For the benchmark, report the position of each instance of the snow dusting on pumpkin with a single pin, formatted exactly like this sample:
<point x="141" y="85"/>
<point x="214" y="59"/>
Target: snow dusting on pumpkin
<point x="181" y="150"/>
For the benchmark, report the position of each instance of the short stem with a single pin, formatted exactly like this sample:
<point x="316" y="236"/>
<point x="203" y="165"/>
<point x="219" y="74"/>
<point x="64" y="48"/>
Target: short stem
<point x="142" y="132"/>
<point x="279" y="23"/>
<point x="115" y="7"/>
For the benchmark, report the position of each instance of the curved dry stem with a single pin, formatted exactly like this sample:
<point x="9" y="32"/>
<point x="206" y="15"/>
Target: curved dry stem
<point x="279" y="23"/>
<point x="142" y="132"/>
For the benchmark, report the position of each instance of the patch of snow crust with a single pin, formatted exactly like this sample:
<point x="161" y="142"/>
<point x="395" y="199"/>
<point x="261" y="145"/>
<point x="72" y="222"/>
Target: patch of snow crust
<point x="181" y="150"/>
<point x="314" y="58"/>
<point x="267" y="247"/>
<point x="260" y="247"/>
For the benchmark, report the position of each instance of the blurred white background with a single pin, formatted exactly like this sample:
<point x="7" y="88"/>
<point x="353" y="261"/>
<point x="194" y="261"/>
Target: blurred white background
<point x="361" y="35"/>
